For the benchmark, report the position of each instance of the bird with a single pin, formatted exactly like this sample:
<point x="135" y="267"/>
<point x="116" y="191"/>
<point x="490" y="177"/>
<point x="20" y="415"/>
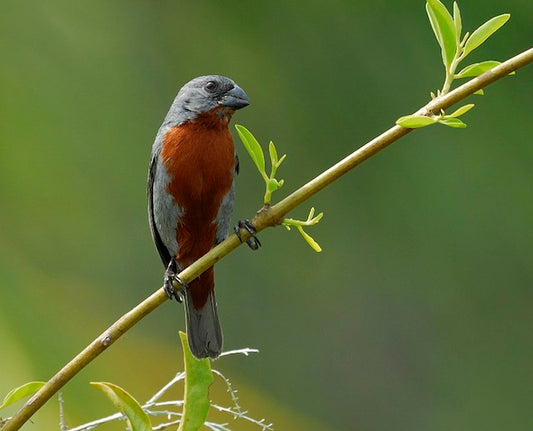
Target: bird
<point x="191" y="192"/>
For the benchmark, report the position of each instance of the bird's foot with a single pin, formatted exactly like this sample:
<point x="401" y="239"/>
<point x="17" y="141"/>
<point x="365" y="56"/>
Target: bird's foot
<point x="173" y="284"/>
<point x="252" y="242"/>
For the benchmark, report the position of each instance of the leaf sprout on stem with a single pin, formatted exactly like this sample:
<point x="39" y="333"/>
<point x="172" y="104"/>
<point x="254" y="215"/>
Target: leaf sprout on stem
<point x="256" y="153"/>
<point x="272" y="184"/>
<point x="454" y="49"/>
<point x="299" y="224"/>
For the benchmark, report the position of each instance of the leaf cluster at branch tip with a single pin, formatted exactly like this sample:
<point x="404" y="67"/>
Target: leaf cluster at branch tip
<point x="454" y="48"/>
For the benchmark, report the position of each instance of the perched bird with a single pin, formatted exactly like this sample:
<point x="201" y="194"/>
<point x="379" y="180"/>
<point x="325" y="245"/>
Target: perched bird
<point x="190" y="196"/>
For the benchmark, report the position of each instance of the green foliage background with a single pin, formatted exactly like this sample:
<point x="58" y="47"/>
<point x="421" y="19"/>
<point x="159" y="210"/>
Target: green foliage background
<point x="417" y="314"/>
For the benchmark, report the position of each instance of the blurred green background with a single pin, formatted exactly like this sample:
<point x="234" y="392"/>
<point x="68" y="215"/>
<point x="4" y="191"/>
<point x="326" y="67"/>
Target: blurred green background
<point x="417" y="314"/>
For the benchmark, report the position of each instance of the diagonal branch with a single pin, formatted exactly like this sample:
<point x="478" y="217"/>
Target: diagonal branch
<point x="266" y="217"/>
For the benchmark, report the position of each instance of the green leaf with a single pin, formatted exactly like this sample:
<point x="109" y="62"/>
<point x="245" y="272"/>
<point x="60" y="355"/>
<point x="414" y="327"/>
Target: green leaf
<point x="253" y="148"/>
<point x="314" y="245"/>
<point x="280" y="161"/>
<point x="273" y="153"/>
<point x="272" y="185"/>
<point x="484" y="32"/>
<point x="444" y="28"/>
<point x="415" y="121"/>
<point x="137" y="418"/>
<point x="477" y="69"/>
<point x="457" y="23"/>
<point x="465" y="37"/>
<point x="480" y="92"/>
<point x="453" y="122"/>
<point x="198" y="378"/>
<point x="311" y="219"/>
<point x="462" y="110"/>
<point x="22" y="391"/>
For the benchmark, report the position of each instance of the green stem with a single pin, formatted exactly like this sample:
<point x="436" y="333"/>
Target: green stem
<point x="450" y="72"/>
<point x="268" y="197"/>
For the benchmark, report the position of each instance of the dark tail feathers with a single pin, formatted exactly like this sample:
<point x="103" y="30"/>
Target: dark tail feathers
<point x="203" y="328"/>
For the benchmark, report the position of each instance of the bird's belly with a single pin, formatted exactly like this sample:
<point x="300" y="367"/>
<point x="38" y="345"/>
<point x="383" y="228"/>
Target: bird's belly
<point x="200" y="200"/>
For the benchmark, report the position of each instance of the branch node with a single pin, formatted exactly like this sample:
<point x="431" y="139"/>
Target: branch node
<point x="107" y="340"/>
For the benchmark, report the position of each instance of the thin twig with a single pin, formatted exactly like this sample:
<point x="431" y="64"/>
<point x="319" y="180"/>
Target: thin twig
<point x="246" y="351"/>
<point x="236" y="411"/>
<point x="166" y="425"/>
<point x="179" y="377"/>
<point x="243" y="415"/>
<point x="267" y="217"/>
<point x="97" y="422"/>
<point x="230" y="389"/>
<point x="217" y="427"/>
<point x="62" y="425"/>
<point x="120" y="416"/>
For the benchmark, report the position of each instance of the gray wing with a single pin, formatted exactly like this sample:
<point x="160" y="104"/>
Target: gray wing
<point x="225" y="211"/>
<point x="161" y="248"/>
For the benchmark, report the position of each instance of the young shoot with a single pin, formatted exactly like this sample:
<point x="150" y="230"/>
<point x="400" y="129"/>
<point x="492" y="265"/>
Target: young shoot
<point x="454" y="49"/>
<point x="272" y="184"/>
<point x="258" y="157"/>
<point x="299" y="224"/>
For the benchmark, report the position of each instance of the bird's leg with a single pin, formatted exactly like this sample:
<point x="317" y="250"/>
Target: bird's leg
<point x="252" y="242"/>
<point x="169" y="279"/>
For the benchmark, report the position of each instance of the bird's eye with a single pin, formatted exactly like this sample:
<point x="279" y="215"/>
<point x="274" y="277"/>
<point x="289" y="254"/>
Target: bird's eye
<point x="211" y="86"/>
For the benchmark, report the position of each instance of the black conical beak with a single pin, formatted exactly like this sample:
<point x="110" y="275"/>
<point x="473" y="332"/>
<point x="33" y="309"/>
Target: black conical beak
<point x="235" y="98"/>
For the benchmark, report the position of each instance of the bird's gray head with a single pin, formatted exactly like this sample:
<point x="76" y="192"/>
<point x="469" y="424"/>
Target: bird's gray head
<point x="202" y="95"/>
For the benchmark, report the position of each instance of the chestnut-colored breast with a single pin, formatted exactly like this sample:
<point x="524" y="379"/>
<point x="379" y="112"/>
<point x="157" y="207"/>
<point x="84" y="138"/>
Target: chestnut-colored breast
<point x="200" y="159"/>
